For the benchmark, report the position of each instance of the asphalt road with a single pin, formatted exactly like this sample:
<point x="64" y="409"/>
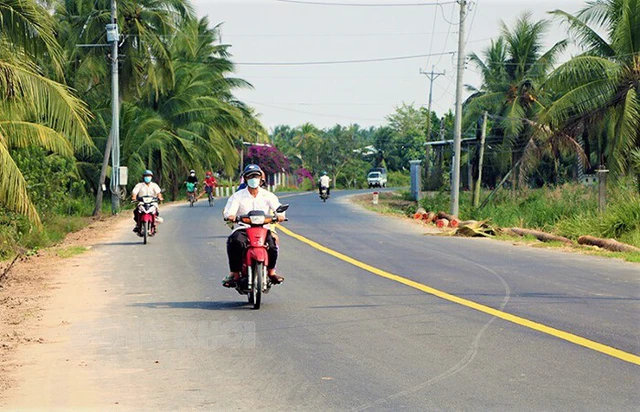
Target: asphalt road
<point x="337" y="337"/>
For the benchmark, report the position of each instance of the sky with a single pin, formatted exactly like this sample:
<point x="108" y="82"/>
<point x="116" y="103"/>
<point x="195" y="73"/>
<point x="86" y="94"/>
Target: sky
<point x="266" y="36"/>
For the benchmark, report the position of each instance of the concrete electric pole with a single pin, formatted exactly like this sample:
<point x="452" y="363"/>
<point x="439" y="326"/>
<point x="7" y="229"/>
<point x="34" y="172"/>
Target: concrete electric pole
<point x="457" y="131"/>
<point x="431" y="76"/>
<point x="113" y="38"/>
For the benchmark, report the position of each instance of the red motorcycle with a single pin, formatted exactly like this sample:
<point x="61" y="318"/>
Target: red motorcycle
<point x="253" y="277"/>
<point x="147" y="216"/>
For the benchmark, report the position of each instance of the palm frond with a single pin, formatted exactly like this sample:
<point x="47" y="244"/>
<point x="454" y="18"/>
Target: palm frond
<point x="13" y="187"/>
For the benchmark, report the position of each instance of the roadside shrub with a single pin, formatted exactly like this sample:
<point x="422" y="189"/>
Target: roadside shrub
<point x="398" y="179"/>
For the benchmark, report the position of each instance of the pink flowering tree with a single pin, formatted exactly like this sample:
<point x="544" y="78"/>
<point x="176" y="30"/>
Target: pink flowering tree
<point x="269" y="158"/>
<point x="302" y="174"/>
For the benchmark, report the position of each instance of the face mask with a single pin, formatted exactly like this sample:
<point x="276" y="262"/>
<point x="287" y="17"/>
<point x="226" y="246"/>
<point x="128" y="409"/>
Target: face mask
<point x="147" y="179"/>
<point x="253" y="183"/>
<point x="193" y="174"/>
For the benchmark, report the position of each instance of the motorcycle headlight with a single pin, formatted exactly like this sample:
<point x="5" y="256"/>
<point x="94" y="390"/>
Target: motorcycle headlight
<point x="257" y="220"/>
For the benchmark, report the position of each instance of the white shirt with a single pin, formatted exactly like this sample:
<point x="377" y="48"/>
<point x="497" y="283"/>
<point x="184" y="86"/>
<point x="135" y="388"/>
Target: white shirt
<point x="324" y="181"/>
<point x="242" y="202"/>
<point x="143" y="189"/>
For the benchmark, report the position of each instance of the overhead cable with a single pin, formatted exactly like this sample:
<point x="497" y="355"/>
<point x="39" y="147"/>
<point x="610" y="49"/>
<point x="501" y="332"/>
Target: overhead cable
<point x="323" y="3"/>
<point x="310" y="63"/>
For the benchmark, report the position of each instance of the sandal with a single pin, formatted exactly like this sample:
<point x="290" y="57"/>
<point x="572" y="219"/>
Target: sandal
<point x="229" y="281"/>
<point x="275" y="279"/>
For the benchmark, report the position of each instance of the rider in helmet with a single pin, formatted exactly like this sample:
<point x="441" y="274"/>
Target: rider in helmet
<point x="144" y="188"/>
<point x="252" y="197"/>
<point x="324" y="181"/>
<point x="209" y="183"/>
<point x="192" y="179"/>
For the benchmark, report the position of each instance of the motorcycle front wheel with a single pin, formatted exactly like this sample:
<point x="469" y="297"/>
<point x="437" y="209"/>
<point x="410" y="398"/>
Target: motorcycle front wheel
<point x="145" y="231"/>
<point x="256" y="287"/>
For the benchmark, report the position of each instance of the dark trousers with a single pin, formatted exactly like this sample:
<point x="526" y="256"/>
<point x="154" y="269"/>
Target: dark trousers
<point x="237" y="244"/>
<point x="320" y="190"/>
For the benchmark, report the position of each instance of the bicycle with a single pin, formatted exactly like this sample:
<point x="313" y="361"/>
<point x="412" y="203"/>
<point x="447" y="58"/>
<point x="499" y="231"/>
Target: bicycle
<point x="211" y="198"/>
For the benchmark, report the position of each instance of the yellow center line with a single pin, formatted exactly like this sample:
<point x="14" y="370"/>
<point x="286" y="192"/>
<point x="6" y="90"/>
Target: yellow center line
<point x="569" y="337"/>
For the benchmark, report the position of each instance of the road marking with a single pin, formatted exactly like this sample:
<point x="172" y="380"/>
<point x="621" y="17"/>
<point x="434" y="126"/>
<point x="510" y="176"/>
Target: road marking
<point x="569" y="337"/>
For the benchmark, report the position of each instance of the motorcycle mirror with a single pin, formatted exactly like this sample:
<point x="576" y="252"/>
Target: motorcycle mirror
<point x="282" y="208"/>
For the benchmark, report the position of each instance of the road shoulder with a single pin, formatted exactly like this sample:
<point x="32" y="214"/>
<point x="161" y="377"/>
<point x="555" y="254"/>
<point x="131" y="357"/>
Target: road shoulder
<point x="41" y="297"/>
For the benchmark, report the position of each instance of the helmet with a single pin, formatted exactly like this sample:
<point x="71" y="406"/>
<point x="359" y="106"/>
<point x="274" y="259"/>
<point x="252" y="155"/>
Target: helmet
<point x="208" y="174"/>
<point x="147" y="173"/>
<point x="192" y="171"/>
<point x="251" y="170"/>
<point x="323" y="173"/>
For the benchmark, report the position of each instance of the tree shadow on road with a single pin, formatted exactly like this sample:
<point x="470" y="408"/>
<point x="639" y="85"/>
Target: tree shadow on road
<point x="204" y="305"/>
<point x="135" y="242"/>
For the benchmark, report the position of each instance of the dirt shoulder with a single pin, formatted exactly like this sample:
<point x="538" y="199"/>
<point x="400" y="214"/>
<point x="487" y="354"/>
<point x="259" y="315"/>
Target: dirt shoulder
<point x="40" y="292"/>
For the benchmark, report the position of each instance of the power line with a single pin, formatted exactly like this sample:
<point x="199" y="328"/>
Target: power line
<point x="338" y="116"/>
<point x="389" y="34"/>
<point x="310" y="63"/>
<point x="322" y="3"/>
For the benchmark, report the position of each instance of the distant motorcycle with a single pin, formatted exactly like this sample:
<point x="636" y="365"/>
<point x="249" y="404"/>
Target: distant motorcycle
<point x="253" y="276"/>
<point x="324" y="194"/>
<point x="147" y="216"/>
<point x="191" y="193"/>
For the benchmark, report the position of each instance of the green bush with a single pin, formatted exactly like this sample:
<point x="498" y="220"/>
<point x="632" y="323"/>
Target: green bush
<point x="398" y="179"/>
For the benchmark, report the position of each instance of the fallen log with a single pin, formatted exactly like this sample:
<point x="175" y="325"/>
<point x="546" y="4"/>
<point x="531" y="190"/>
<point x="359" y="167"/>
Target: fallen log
<point x="442" y="223"/>
<point x="608" y="244"/>
<point x="429" y="217"/>
<point x="542" y="236"/>
<point x="445" y="215"/>
<point x="454" y="223"/>
<point x="419" y="213"/>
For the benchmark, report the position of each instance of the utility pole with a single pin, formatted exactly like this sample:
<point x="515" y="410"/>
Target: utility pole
<point x="112" y="146"/>
<point x="432" y="76"/>
<point x="457" y="131"/>
<point x="113" y="38"/>
<point x="483" y="135"/>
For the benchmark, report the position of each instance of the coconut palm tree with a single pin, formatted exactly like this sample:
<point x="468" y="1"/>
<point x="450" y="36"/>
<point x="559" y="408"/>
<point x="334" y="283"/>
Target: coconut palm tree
<point x="34" y="110"/>
<point x="599" y="89"/>
<point x="514" y="69"/>
<point x="194" y="121"/>
<point x="145" y="26"/>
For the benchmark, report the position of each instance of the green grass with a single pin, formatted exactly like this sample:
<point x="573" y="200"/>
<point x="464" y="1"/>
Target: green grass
<point x="568" y="210"/>
<point x="17" y="234"/>
<point x="70" y="251"/>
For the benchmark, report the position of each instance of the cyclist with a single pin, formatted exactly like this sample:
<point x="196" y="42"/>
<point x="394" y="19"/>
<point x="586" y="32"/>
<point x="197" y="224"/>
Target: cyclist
<point x="192" y="184"/>
<point x="210" y="183"/>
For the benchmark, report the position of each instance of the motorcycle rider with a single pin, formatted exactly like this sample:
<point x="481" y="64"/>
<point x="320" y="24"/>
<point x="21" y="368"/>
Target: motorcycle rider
<point x="253" y="197"/>
<point x="145" y="188"/>
<point x="193" y="179"/>
<point x="324" y="181"/>
<point x="210" y="183"/>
